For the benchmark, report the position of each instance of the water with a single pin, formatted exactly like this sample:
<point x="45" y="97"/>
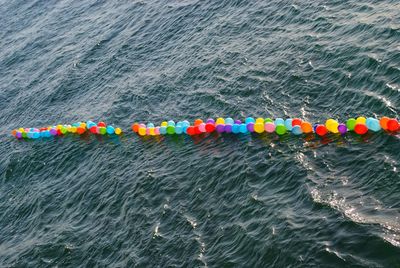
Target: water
<point x="232" y="201"/>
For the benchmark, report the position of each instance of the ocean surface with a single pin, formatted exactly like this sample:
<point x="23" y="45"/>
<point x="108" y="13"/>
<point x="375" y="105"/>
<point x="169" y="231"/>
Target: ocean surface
<point x="208" y="201"/>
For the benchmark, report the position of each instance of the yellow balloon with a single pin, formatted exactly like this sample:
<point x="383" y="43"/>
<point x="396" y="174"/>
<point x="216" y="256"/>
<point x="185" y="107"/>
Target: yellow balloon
<point x="73" y="129"/>
<point x="259" y="127"/>
<point x="260" y="120"/>
<point x="220" y="121"/>
<point x="118" y="131"/>
<point x="361" y="120"/>
<point x="332" y="125"/>
<point x="58" y="126"/>
<point x="21" y="130"/>
<point x="83" y="125"/>
<point x="164" y="124"/>
<point x="142" y="131"/>
<point x="151" y="131"/>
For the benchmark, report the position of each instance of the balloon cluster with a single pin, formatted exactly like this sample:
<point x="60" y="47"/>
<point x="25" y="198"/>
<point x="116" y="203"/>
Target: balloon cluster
<point x="296" y="126"/>
<point x="79" y="128"/>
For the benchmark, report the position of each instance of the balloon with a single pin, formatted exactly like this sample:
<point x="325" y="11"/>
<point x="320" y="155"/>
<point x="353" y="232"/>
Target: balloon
<point x="202" y="127"/>
<point x="243" y="128"/>
<point x="306" y="127"/>
<point x="360" y="129"/>
<point x="288" y="124"/>
<point x="342" y="129"/>
<point x="63" y="130"/>
<point x="260" y="120"/>
<point x="142" y="131"/>
<point x="171" y="123"/>
<point x="157" y="130"/>
<point x="220" y="121"/>
<point x="118" y="131"/>
<point x="249" y="120"/>
<point x="163" y="130"/>
<point x="198" y="122"/>
<point x="53" y="132"/>
<point x="14" y="132"/>
<point x="296" y="122"/>
<point x="93" y="129"/>
<point x="102" y="130"/>
<point x="321" y="130"/>
<point x="350" y="124"/>
<point x="197" y="130"/>
<point x="393" y="125"/>
<point x="150" y="125"/>
<point x="296" y="130"/>
<point x="210" y="127"/>
<point x="235" y="128"/>
<point x="111" y="130"/>
<point x="18" y="135"/>
<point x="228" y="128"/>
<point x="269" y="127"/>
<point x="237" y="121"/>
<point x="25" y="135"/>
<point x="268" y="120"/>
<point x="373" y="124"/>
<point x="151" y="131"/>
<point x="83" y="125"/>
<point x="361" y="120"/>
<point x="101" y="124"/>
<point x="178" y="129"/>
<point x="80" y="130"/>
<point x="220" y="128"/>
<point x="279" y="121"/>
<point x="36" y="135"/>
<point x="250" y="127"/>
<point x="171" y="130"/>
<point x="259" y="127"/>
<point x="210" y="120"/>
<point x="164" y="124"/>
<point x="229" y="121"/>
<point x="280" y="129"/>
<point x="190" y="130"/>
<point x="383" y="122"/>
<point x="332" y="125"/>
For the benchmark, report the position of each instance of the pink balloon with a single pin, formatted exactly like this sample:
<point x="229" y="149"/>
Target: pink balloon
<point x="202" y="127"/>
<point x="269" y="127"/>
<point x="157" y="130"/>
<point x="147" y="131"/>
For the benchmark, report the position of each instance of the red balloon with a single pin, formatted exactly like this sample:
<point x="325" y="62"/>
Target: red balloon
<point x="210" y="127"/>
<point x="197" y="130"/>
<point x="296" y="122"/>
<point x="80" y="130"/>
<point x="101" y="124"/>
<point x="321" y="130"/>
<point x="135" y="127"/>
<point x="93" y="129"/>
<point x="59" y="132"/>
<point x="360" y="129"/>
<point x="392" y="125"/>
<point x="190" y="131"/>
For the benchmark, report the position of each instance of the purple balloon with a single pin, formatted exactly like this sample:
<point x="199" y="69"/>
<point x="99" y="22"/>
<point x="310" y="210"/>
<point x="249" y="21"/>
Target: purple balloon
<point x="220" y="128"/>
<point x="19" y="135"/>
<point x="53" y="132"/>
<point x="238" y="122"/>
<point x="210" y="120"/>
<point x="342" y="129"/>
<point x="228" y="128"/>
<point x="250" y="127"/>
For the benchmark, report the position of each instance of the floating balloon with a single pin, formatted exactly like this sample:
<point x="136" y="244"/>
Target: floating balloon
<point x="259" y="127"/>
<point x="243" y="128"/>
<point x="350" y="124"/>
<point x="289" y="124"/>
<point x="321" y="130"/>
<point x="229" y="121"/>
<point x="306" y="127"/>
<point x="249" y="120"/>
<point x="228" y="128"/>
<point x="279" y="121"/>
<point x="296" y="122"/>
<point x="383" y="122"/>
<point x="392" y="125"/>
<point x="260" y="120"/>
<point x="373" y="124"/>
<point x="280" y="129"/>
<point x="220" y="128"/>
<point x="250" y="127"/>
<point x="210" y="127"/>
<point x="360" y="129"/>
<point x="269" y="127"/>
<point x="296" y="130"/>
<point x="342" y="129"/>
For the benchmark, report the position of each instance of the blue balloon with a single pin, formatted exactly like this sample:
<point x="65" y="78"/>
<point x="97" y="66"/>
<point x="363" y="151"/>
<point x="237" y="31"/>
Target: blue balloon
<point x="171" y="123"/>
<point x="178" y="129"/>
<point x="150" y="125"/>
<point x="279" y="121"/>
<point x="235" y="128"/>
<point x="110" y="130"/>
<point x="36" y="135"/>
<point x="243" y="128"/>
<point x="163" y="130"/>
<point x="47" y="134"/>
<point x="296" y="130"/>
<point x="179" y="124"/>
<point x="249" y="120"/>
<point x="288" y="124"/>
<point x="185" y="123"/>
<point x="373" y="124"/>
<point x="229" y="121"/>
<point x="184" y="129"/>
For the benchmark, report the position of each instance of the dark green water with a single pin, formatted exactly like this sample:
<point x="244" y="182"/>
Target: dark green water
<point x="215" y="201"/>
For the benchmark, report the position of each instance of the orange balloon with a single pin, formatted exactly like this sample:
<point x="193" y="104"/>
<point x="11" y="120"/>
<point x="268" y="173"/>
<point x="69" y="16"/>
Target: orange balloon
<point x="198" y="122"/>
<point x="135" y="127"/>
<point x="306" y="127"/>
<point x="80" y="130"/>
<point x="383" y="122"/>
<point x="14" y="132"/>
<point x="296" y="122"/>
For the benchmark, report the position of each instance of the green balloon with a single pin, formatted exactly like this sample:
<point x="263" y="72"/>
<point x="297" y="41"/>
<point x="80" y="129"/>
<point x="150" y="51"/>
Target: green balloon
<point x="266" y="120"/>
<point x="171" y="130"/>
<point x="102" y="130"/>
<point x="24" y="135"/>
<point x="350" y="124"/>
<point x="280" y="129"/>
<point x="63" y="130"/>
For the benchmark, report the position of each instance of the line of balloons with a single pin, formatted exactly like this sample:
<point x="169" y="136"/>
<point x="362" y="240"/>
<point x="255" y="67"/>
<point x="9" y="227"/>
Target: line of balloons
<point x="296" y="126"/>
<point x="79" y="128"/>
